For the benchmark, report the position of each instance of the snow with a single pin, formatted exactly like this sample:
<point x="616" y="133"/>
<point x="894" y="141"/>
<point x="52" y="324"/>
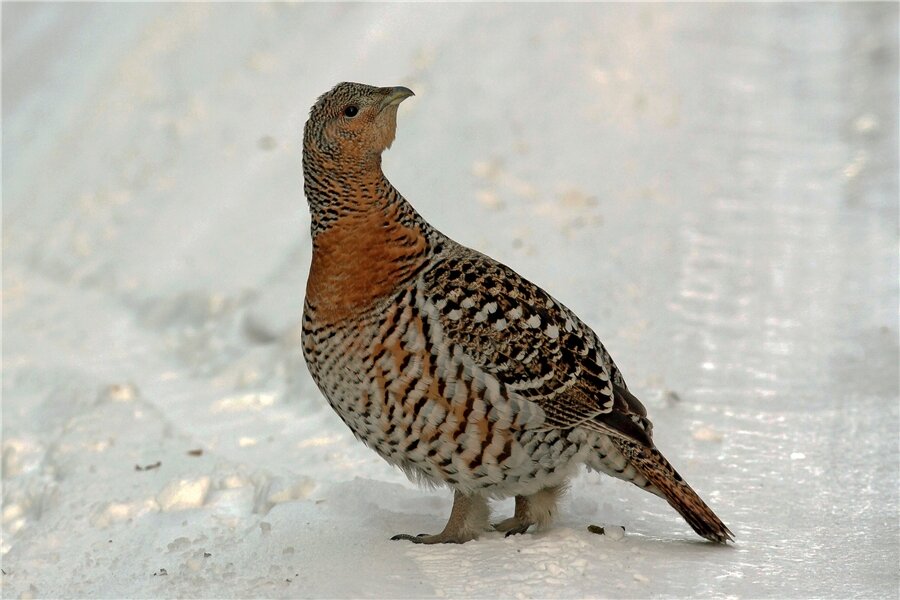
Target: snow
<point x="712" y="187"/>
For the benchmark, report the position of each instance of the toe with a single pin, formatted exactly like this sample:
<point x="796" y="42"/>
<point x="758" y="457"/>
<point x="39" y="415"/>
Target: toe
<point x="439" y="538"/>
<point x="507" y="524"/>
<point x="512" y="526"/>
<point x="518" y="530"/>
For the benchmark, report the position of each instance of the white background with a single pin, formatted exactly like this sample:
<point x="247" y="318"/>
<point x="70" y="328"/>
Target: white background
<point x="713" y="188"/>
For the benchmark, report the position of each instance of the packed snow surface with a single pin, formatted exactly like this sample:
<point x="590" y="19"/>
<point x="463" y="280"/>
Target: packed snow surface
<point x="712" y="187"/>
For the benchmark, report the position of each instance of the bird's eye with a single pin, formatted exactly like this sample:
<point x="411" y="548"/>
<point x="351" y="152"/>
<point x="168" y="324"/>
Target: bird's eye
<point x="351" y="111"/>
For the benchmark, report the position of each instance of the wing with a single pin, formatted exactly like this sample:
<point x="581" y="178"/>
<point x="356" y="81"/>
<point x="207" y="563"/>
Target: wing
<point x="532" y="344"/>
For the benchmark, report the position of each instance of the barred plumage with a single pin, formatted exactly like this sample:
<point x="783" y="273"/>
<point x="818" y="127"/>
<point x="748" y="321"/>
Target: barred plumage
<point x="447" y="363"/>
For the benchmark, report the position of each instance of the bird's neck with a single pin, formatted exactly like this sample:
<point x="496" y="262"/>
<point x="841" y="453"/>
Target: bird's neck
<point x="367" y="239"/>
<point x="336" y="190"/>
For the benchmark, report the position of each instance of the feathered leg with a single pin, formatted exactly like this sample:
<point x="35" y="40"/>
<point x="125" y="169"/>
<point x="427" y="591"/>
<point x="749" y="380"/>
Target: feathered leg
<point x="537" y="509"/>
<point x="468" y="518"/>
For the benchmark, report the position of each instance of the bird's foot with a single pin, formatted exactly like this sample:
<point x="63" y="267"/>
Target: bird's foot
<point x="437" y="538"/>
<point x="537" y="509"/>
<point x="512" y="526"/>
<point x="468" y="518"/>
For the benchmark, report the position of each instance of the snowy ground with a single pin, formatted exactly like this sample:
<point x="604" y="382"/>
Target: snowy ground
<point x="713" y="188"/>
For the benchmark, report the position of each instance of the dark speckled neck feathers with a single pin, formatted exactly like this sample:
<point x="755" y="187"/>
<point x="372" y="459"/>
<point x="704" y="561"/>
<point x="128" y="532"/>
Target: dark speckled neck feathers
<point x="367" y="239"/>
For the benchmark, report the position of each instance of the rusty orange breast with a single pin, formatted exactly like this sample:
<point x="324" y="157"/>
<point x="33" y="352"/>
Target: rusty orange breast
<point x="359" y="260"/>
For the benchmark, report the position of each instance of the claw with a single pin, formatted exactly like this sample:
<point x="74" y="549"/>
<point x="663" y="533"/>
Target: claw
<point x="412" y="538"/>
<point x="424" y="538"/>
<point x="512" y="526"/>
<point x="518" y="530"/>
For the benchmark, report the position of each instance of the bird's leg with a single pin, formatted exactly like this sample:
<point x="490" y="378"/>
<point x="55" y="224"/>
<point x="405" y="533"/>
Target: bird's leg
<point x="537" y="509"/>
<point x="518" y="523"/>
<point x="468" y="518"/>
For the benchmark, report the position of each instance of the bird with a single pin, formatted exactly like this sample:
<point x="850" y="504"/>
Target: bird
<point x="447" y="363"/>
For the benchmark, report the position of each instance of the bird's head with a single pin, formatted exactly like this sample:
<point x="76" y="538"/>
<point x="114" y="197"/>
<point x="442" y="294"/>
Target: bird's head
<point x="353" y="123"/>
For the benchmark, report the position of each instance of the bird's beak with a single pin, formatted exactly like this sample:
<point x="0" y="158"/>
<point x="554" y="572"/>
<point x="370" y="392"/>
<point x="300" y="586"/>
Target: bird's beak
<point x="394" y="96"/>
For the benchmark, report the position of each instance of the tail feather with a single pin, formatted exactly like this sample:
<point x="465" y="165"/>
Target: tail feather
<point x="654" y="466"/>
